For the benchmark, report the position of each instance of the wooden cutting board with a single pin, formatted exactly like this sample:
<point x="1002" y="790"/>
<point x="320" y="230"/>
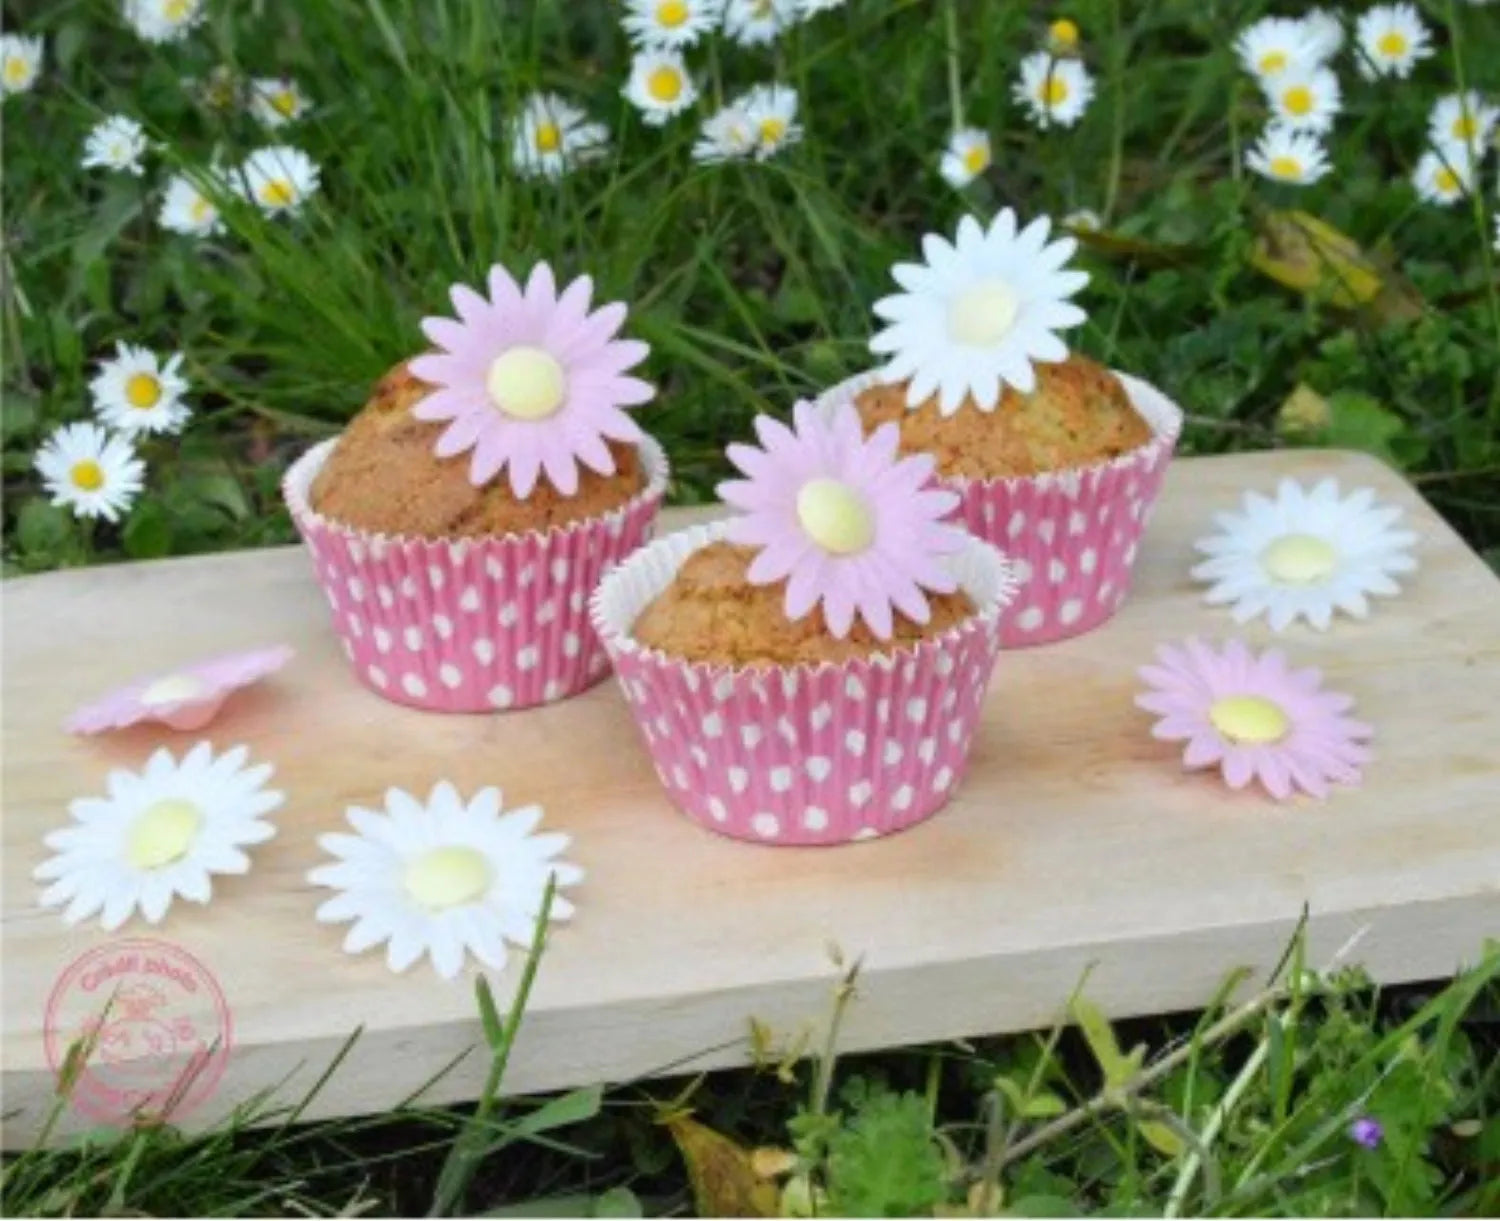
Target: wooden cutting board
<point x="1076" y="840"/>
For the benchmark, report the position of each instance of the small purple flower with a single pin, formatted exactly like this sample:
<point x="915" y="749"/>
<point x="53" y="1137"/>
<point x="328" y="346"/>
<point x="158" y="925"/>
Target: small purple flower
<point x="1367" y="1132"/>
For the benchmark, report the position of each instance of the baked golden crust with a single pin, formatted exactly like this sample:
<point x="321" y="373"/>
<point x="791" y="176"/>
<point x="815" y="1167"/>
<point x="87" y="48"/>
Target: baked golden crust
<point x="1078" y="415"/>
<point x="711" y="613"/>
<point x="383" y="476"/>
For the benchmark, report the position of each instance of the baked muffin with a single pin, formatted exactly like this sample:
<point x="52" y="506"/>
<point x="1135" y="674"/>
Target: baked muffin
<point x="383" y="476"/>
<point x="1078" y="415"/>
<point x="461" y="521"/>
<point x="712" y="613"/>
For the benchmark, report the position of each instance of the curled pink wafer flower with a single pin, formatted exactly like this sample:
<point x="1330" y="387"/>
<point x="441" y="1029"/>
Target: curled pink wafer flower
<point x="1255" y="718"/>
<point x="531" y="381"/>
<point x="186" y="698"/>
<point x="847" y="524"/>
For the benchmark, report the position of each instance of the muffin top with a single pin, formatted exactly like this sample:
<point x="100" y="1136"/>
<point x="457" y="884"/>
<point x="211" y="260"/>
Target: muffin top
<point x="1077" y="416"/>
<point x="384" y="476"/>
<point x="712" y="613"/>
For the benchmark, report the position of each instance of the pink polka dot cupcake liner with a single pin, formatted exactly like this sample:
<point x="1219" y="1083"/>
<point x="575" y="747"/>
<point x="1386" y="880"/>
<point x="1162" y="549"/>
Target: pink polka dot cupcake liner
<point x="807" y="754"/>
<point x="1072" y="535"/>
<point x="472" y="624"/>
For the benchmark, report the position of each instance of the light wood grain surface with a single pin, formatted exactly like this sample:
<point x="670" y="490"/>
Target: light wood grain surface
<point x="1077" y="840"/>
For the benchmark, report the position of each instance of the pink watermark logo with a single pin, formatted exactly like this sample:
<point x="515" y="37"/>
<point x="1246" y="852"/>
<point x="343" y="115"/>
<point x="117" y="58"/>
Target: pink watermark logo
<point x="138" y="1031"/>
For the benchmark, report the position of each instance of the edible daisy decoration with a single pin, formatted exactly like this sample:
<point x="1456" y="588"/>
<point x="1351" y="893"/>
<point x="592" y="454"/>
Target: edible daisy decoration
<point x="1254" y="718"/>
<point x="158" y="834"/>
<point x="974" y="316"/>
<point x="847" y="524"/>
<point x="186" y="698"/>
<point x="443" y="879"/>
<point x="531" y="381"/>
<point x="1305" y="555"/>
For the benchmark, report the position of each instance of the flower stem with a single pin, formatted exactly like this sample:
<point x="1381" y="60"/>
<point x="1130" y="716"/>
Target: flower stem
<point x="955" y="89"/>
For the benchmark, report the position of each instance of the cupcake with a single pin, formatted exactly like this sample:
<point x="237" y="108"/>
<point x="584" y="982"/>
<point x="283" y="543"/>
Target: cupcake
<point x="811" y="670"/>
<point x="460" y="522"/>
<point x="1054" y="458"/>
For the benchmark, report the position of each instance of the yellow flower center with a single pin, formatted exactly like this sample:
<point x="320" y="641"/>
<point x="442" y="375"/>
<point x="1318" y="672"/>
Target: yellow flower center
<point x="526" y="383"/>
<point x="173" y="689"/>
<point x="835" y="516"/>
<point x="163" y="833"/>
<point x="143" y="390"/>
<point x="1250" y="720"/>
<point x="200" y="209"/>
<point x="278" y="193"/>
<point x="664" y="84"/>
<point x="284" y="102"/>
<point x="1298" y="100"/>
<point x="88" y="475"/>
<point x="671" y="13"/>
<point x="1054" y="90"/>
<point x="1446" y="181"/>
<point x="178" y="10"/>
<point x="1464" y="128"/>
<point x="772" y="130"/>
<point x="1272" y="62"/>
<point x="16" y="70"/>
<point x="1299" y="559"/>
<point x="976" y="159"/>
<point x="1392" y="43"/>
<point x="1286" y="167"/>
<point x="548" y="136"/>
<point x="447" y="877"/>
<point x="983" y="314"/>
<point x="1063" y="33"/>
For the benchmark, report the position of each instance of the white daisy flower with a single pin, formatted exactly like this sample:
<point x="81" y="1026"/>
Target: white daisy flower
<point x="1391" y="39"/>
<point x="1054" y="90"/>
<point x="659" y="86"/>
<point x="726" y="135"/>
<point x="186" y="209"/>
<point x="1305" y="99"/>
<point x="978" y="312"/>
<point x="966" y="157"/>
<point x="20" y="63"/>
<point x="753" y="22"/>
<point x="115" y="143"/>
<point x="277" y="101"/>
<point x="163" y="20"/>
<point x="1082" y="220"/>
<point x="1273" y="46"/>
<point x="1463" y="118"/>
<point x="1324" y="32"/>
<point x="670" y="23"/>
<point x="279" y="178"/>
<point x="444" y="879"/>
<point x="552" y="136"/>
<point x="811" y="8"/>
<point x="1444" y="174"/>
<point x="1285" y="155"/>
<point x="136" y="393"/>
<point x="160" y="833"/>
<point x="1304" y="555"/>
<point x="772" y="111"/>
<point x="89" y="471"/>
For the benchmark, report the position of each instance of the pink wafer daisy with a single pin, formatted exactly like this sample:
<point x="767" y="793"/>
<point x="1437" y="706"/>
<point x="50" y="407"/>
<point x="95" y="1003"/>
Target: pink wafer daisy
<point x="531" y="381"/>
<point x="188" y="698"/>
<point x="846" y="523"/>
<point x="1255" y="718"/>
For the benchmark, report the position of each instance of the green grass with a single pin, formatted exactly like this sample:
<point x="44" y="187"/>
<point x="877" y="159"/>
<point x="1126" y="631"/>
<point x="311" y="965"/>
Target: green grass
<point x="753" y="283"/>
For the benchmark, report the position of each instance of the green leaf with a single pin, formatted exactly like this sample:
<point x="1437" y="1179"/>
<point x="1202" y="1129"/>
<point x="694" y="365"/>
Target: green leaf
<point x="148" y="533"/>
<point x="489" y="1016"/>
<point x="1161" y="1137"/>
<point x="618" y="1202"/>
<point x="1357" y="421"/>
<point x="1043" y="1106"/>
<point x="885" y="1161"/>
<point x="42" y="528"/>
<point x="1118" y="1069"/>
<point x="574" y="1107"/>
<point x="1043" y="1206"/>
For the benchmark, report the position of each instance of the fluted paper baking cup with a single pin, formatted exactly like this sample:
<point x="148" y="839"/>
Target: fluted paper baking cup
<point x="471" y="624"/>
<point x="806" y="754"/>
<point x="1073" y="535"/>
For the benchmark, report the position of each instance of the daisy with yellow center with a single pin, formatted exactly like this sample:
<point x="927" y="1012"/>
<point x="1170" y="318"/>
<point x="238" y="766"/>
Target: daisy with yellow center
<point x="966" y="157"/>
<point x="552" y="136"/>
<point x="161" y="21"/>
<point x="675" y="24"/>
<point x="279" y="179"/>
<point x="115" y="143"/>
<point x="1464" y="119"/>
<point x="186" y="209"/>
<point x="1444" y="174"/>
<point x="659" y="86"/>
<point x="726" y="135"/>
<point x="90" y="472"/>
<point x="1053" y="91"/>
<point x="20" y="63"/>
<point x="772" y="114"/>
<point x="136" y="392"/>
<point x="1285" y="155"/>
<point x="445" y="879"/>
<point x="158" y="834"/>
<point x="1305" y="99"/>
<point x="757" y="22"/>
<point x="276" y="101"/>
<point x="1391" y="39"/>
